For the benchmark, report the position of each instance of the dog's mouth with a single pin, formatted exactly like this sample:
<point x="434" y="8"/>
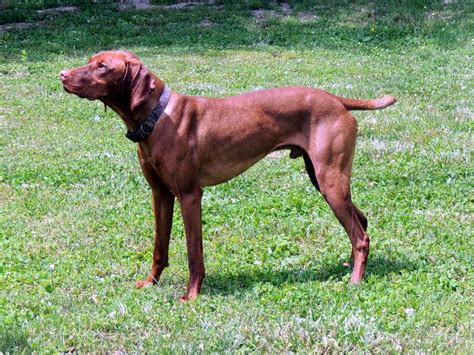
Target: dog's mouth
<point x="76" y="90"/>
<point x="69" y="91"/>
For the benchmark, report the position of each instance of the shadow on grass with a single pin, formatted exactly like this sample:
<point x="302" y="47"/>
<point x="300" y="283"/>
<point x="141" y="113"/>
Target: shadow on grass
<point x="227" y="284"/>
<point x="332" y="24"/>
<point x="13" y="341"/>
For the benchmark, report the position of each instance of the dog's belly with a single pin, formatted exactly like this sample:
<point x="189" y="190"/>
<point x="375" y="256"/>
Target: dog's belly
<point x="231" y="160"/>
<point x="219" y="172"/>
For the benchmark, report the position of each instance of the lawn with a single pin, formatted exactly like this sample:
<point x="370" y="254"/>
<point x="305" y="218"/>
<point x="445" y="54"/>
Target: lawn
<point x="76" y="226"/>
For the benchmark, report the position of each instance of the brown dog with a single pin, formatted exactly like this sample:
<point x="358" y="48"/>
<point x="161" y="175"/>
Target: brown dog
<point x="201" y="141"/>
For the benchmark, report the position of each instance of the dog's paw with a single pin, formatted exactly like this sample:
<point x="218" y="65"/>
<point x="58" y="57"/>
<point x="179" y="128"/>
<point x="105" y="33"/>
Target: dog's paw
<point x="186" y="298"/>
<point x="189" y="296"/>
<point x="143" y="283"/>
<point x="183" y="299"/>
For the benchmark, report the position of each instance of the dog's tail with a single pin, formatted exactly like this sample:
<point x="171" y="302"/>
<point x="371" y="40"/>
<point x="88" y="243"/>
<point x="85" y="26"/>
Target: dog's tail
<point x="375" y="104"/>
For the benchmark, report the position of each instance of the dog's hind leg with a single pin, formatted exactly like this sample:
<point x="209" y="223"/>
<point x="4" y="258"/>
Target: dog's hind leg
<point x="310" y="170"/>
<point x="331" y="155"/>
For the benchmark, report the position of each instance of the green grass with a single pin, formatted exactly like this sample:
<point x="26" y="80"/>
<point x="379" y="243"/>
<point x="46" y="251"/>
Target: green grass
<point x="76" y="221"/>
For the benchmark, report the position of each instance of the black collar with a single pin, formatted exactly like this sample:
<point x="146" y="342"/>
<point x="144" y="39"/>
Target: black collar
<point x="145" y="129"/>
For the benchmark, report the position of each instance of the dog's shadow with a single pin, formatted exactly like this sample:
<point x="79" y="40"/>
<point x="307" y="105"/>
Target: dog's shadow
<point x="243" y="281"/>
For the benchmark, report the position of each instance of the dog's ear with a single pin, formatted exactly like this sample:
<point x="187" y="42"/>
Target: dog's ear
<point x="142" y="83"/>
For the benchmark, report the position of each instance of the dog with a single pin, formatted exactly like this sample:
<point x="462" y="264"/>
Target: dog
<point x="187" y="142"/>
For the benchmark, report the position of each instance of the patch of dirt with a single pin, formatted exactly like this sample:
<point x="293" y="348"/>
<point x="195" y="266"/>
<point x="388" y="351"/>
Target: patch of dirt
<point x="306" y="17"/>
<point x="263" y="15"/>
<point x="20" y="25"/>
<point x="285" y="12"/>
<point x="57" y="10"/>
<point x="179" y="6"/>
<point x="138" y="6"/>
<point x="183" y="5"/>
<point x="438" y="15"/>
<point x="206" y="23"/>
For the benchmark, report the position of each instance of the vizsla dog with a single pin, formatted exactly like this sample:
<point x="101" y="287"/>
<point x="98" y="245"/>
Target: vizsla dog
<point x="186" y="143"/>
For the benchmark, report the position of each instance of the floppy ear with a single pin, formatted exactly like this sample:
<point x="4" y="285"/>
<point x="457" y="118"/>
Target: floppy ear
<point x="142" y="83"/>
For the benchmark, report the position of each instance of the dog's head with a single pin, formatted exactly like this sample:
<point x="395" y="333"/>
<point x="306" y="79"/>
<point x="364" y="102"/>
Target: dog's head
<point x="110" y="75"/>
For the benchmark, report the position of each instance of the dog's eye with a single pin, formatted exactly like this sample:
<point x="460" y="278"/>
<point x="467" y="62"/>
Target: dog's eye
<point x="102" y="66"/>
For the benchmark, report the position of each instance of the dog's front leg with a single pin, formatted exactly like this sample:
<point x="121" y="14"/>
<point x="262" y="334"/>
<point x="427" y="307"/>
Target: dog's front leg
<point x="191" y="212"/>
<point x="163" y="203"/>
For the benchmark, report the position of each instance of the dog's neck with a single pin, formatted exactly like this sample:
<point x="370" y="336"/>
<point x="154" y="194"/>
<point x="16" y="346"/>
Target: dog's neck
<point x="132" y="118"/>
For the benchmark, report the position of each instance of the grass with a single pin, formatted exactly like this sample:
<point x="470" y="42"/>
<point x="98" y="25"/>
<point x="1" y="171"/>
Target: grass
<point x="76" y="221"/>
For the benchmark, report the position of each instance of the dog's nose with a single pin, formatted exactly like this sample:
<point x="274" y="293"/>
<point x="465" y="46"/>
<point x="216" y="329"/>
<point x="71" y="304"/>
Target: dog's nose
<point x="64" y="74"/>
